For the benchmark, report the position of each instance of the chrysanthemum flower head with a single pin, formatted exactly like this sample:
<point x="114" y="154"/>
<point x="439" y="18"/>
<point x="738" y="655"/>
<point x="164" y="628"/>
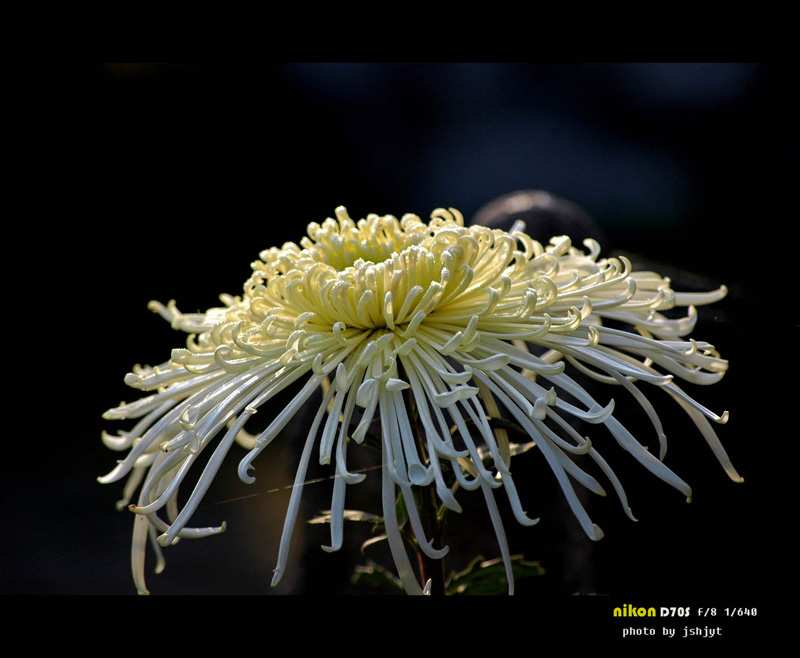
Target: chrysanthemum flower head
<point x="422" y="333"/>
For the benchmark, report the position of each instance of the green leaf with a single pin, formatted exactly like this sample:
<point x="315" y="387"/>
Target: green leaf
<point x="373" y="440"/>
<point x="374" y="575"/>
<point x="489" y="576"/>
<point x="349" y="515"/>
<point x="401" y="511"/>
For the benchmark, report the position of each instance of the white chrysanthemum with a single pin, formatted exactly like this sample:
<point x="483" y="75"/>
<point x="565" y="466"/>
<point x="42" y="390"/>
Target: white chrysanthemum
<point x="382" y="315"/>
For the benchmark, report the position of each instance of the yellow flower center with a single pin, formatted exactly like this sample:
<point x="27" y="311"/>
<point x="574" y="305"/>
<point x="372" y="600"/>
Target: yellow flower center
<point x="385" y="273"/>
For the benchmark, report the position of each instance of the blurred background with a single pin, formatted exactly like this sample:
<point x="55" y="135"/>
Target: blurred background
<point x="180" y="173"/>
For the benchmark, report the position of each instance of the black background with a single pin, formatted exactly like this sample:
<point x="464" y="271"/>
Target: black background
<point x="164" y="181"/>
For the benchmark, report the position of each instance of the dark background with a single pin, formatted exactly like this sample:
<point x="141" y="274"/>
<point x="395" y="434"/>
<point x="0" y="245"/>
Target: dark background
<point x="172" y="177"/>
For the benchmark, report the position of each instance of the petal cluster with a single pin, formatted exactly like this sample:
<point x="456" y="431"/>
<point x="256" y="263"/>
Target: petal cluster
<point x="421" y="333"/>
